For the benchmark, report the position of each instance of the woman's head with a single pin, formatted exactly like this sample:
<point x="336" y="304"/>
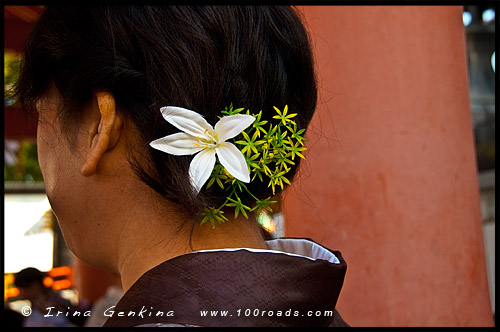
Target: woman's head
<point x="200" y="58"/>
<point x="30" y="283"/>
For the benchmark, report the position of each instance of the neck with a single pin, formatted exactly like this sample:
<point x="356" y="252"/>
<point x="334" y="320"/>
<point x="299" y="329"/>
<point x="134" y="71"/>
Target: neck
<point x="147" y="243"/>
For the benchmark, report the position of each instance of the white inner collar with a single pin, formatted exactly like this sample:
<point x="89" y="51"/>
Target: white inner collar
<point x="292" y="247"/>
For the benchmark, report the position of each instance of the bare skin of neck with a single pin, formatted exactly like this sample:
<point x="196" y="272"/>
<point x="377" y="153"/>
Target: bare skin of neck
<point x="150" y="248"/>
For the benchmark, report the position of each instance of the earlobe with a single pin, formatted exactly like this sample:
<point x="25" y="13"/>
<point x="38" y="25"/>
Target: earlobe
<point x="107" y="134"/>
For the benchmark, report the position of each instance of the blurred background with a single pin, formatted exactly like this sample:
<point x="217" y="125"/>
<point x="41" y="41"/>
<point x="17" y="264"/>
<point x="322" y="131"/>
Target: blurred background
<point x="479" y="22"/>
<point x="31" y="233"/>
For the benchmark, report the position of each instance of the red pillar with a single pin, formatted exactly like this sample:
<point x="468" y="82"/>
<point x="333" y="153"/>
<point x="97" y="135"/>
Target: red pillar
<point x="390" y="179"/>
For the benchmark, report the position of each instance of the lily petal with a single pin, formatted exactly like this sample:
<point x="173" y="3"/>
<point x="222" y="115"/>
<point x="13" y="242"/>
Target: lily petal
<point x="233" y="160"/>
<point x="178" y="144"/>
<point x="230" y="126"/>
<point x="201" y="167"/>
<point x="186" y="120"/>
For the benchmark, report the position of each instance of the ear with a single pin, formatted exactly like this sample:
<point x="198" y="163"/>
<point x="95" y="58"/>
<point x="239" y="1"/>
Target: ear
<point x="105" y="131"/>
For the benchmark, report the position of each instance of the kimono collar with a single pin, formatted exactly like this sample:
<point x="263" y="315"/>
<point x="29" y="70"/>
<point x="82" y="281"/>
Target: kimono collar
<point x="280" y="286"/>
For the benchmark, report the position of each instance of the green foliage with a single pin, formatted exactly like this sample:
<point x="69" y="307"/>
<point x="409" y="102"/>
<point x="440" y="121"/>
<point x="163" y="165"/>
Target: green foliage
<point x="269" y="150"/>
<point x="26" y="167"/>
<point x="213" y="214"/>
<point x="11" y="67"/>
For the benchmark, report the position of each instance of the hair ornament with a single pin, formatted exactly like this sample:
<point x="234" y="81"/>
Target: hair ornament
<point x="240" y="148"/>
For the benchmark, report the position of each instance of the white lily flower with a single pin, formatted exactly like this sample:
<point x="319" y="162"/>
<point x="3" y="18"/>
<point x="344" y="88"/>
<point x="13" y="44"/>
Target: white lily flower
<point x="199" y="136"/>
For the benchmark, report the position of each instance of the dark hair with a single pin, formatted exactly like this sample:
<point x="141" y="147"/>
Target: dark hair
<point x="27" y="276"/>
<point x="203" y="58"/>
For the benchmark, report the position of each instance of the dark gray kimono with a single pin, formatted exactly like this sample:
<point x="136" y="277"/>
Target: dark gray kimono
<point x="295" y="283"/>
